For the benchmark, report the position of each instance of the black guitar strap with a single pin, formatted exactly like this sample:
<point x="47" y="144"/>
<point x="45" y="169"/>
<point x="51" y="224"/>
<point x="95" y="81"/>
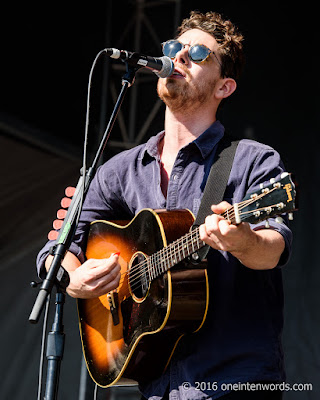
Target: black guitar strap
<point x="216" y="182"/>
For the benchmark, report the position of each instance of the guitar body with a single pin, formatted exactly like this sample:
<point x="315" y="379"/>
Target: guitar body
<point x="151" y="316"/>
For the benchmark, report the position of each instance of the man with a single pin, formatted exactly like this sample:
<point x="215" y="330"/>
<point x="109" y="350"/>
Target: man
<point x="240" y="341"/>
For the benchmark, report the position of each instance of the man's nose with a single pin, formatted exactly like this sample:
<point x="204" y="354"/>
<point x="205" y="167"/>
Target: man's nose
<point x="183" y="56"/>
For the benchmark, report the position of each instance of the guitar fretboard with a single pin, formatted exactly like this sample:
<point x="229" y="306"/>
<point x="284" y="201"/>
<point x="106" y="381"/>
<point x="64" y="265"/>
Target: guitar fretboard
<point x="171" y="255"/>
<point x="166" y="258"/>
<point x="190" y="243"/>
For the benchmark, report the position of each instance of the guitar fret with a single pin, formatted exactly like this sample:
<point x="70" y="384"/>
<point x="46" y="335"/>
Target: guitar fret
<point x="171" y="257"/>
<point x="182" y="247"/>
<point x="149" y="265"/>
<point x="155" y="265"/>
<point x="190" y="246"/>
<point x="159" y="262"/>
<point x="155" y="268"/>
<point x="163" y="260"/>
<point x="199" y="241"/>
<point x="161" y="265"/>
<point x="192" y="241"/>
<point x="179" y="254"/>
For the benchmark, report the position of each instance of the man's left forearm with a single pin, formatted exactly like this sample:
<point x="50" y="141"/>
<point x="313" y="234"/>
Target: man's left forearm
<point x="263" y="252"/>
<point x="260" y="249"/>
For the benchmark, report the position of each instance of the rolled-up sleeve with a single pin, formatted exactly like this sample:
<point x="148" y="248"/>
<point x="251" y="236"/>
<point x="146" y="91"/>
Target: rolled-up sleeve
<point x="254" y="165"/>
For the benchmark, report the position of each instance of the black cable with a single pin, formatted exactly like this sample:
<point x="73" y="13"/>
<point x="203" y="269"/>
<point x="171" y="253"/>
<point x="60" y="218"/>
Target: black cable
<point x="86" y="133"/>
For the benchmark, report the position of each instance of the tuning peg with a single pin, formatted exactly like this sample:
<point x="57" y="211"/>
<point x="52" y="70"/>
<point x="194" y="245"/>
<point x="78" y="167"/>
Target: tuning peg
<point x="284" y="174"/>
<point x="267" y="225"/>
<point x="279" y="220"/>
<point x="280" y="206"/>
<point x="261" y="185"/>
<point x="272" y="180"/>
<point x="290" y="216"/>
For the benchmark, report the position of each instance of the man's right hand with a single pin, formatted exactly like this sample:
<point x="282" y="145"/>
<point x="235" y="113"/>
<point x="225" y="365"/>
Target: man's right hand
<point x="93" y="278"/>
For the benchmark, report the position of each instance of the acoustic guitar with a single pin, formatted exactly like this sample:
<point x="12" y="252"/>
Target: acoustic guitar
<point x="163" y="293"/>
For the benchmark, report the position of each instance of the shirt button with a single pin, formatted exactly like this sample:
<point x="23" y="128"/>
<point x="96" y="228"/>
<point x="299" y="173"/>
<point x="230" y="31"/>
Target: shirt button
<point x="175" y="177"/>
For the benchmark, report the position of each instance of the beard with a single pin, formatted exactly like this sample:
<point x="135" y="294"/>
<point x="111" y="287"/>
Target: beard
<point x="181" y="95"/>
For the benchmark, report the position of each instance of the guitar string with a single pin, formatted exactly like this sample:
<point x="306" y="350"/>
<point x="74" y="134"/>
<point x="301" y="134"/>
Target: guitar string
<point x="141" y="269"/>
<point x="188" y="238"/>
<point x="182" y="239"/>
<point x="136" y="283"/>
<point x="228" y="213"/>
<point x="186" y="241"/>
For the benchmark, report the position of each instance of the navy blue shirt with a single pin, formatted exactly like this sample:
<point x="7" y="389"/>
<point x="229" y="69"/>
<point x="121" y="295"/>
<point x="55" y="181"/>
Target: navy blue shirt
<point x="240" y="340"/>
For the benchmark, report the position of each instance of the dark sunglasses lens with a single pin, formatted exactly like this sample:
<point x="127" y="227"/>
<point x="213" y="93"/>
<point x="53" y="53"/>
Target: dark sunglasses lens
<point x="171" y="48"/>
<point x="198" y="53"/>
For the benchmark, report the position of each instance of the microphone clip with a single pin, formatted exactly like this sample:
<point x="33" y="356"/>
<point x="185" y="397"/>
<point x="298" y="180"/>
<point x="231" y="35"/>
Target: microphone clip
<point x="130" y="74"/>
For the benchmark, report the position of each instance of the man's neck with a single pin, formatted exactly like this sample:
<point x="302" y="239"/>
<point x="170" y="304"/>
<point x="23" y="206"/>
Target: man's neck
<point x="183" y="128"/>
<point x="180" y="130"/>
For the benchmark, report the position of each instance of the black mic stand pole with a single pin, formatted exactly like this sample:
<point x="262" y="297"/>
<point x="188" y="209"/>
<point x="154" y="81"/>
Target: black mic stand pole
<point x="55" y="348"/>
<point x="56" y="274"/>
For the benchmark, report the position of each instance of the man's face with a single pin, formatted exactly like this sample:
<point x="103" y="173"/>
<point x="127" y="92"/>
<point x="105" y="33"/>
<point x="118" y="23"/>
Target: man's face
<point x="192" y="84"/>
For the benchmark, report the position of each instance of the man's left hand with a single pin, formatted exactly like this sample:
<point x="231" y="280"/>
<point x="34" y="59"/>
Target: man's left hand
<point x="259" y="249"/>
<point x="220" y="234"/>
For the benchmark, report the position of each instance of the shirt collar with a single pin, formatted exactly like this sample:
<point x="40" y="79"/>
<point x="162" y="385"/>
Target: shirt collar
<point x="209" y="138"/>
<point x="152" y="145"/>
<point x="205" y="142"/>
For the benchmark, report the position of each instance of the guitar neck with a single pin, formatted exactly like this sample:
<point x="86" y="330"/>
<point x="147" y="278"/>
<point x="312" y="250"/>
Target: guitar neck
<point x="271" y="200"/>
<point x="180" y="249"/>
<point x="175" y="252"/>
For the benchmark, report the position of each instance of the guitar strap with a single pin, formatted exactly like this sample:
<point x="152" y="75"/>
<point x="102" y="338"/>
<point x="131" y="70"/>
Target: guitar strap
<point x="217" y="182"/>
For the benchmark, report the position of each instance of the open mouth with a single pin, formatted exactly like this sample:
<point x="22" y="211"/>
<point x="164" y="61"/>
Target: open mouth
<point x="178" y="74"/>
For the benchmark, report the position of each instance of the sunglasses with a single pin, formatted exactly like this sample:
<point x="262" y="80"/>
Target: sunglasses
<point x="197" y="53"/>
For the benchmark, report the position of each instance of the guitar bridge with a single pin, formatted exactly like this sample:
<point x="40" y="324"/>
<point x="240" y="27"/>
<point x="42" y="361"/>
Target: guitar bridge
<point x="114" y="303"/>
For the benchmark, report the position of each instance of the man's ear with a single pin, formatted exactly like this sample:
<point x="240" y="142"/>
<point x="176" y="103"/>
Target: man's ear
<point x="225" y="88"/>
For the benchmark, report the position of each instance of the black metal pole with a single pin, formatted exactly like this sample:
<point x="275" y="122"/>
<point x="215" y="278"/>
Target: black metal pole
<point x="68" y="228"/>
<point x="56" y="274"/>
<point x="55" y="348"/>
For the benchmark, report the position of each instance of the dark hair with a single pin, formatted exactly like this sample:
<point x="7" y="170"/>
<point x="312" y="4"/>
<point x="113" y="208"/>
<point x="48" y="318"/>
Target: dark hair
<point x="227" y="36"/>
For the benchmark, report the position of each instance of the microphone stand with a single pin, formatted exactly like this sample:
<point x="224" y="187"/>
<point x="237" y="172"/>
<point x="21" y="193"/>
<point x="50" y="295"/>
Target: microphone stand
<point x="57" y="275"/>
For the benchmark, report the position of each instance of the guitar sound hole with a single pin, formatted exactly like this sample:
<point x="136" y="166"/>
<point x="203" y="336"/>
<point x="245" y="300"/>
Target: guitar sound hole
<point x="139" y="276"/>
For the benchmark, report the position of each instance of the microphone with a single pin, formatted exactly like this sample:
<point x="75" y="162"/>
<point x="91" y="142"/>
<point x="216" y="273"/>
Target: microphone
<point x="162" y="66"/>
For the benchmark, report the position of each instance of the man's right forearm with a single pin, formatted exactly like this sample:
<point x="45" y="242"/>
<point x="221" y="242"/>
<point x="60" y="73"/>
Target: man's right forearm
<point x="69" y="263"/>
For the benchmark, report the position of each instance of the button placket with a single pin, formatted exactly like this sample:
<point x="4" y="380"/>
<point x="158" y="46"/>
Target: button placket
<point x="174" y="182"/>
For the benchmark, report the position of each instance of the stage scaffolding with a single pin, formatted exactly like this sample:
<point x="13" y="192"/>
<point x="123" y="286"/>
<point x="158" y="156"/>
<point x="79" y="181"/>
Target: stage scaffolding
<point x="144" y="32"/>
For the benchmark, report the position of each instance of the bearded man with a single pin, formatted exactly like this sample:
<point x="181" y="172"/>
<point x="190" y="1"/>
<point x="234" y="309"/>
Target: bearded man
<point x="240" y="340"/>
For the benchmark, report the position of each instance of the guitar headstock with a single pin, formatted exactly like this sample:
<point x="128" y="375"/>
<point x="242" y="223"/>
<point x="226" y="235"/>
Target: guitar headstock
<point x="277" y="198"/>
